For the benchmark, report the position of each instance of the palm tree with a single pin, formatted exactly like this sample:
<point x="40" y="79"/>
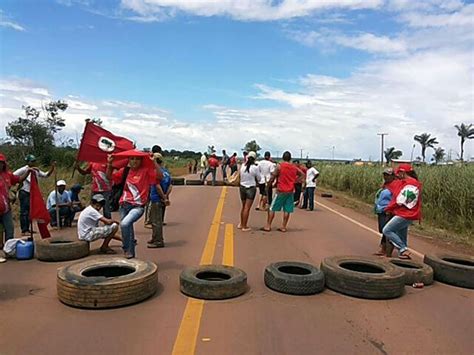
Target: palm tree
<point x="465" y="132"/>
<point x="392" y="153"/>
<point x="425" y="141"/>
<point x="439" y="154"/>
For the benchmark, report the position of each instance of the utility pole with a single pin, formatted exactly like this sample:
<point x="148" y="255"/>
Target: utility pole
<point x="382" y="135"/>
<point x="301" y="150"/>
<point x="333" y="148"/>
<point x="412" y="151"/>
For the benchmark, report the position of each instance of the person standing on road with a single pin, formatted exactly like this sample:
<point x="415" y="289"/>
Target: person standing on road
<point x="266" y="168"/>
<point x="405" y="207"/>
<point x="233" y="163"/>
<point x="101" y="185"/>
<point x="382" y="199"/>
<point x="24" y="194"/>
<point x="203" y="165"/>
<point x="298" y="184"/>
<point x="225" y="164"/>
<point x="286" y="175"/>
<point x="249" y="177"/>
<point x="212" y="169"/>
<point x="311" y="176"/>
<point x="7" y="180"/>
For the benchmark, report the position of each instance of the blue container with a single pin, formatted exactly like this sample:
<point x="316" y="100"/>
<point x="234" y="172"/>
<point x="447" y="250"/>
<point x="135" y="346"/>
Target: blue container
<point x="25" y="251"/>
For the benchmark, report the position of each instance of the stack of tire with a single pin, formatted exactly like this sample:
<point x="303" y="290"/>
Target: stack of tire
<point x="177" y="181"/>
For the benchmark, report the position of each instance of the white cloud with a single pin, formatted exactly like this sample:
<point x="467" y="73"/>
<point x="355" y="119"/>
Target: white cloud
<point x="5" y="21"/>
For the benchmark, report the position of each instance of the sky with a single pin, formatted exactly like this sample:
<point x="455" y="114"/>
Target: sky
<point x="318" y="77"/>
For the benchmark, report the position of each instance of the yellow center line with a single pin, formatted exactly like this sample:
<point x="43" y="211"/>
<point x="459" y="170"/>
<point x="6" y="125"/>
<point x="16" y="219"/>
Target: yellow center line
<point x="228" y="254"/>
<point x="185" y="343"/>
<point x="361" y="225"/>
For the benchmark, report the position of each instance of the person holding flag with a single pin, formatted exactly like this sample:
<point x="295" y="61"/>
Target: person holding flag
<point x="405" y="207"/>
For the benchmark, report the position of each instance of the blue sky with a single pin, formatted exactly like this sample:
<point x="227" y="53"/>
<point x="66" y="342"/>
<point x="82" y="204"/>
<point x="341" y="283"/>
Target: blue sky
<point x="225" y="72"/>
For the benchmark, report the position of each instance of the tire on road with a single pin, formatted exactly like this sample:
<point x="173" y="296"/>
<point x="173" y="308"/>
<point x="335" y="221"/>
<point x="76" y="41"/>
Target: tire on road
<point x="177" y="181"/>
<point x="363" y="277"/>
<point x="60" y="249"/>
<point x="326" y="194"/>
<point x="105" y="282"/>
<point x="414" y="272"/>
<point x="194" y="182"/>
<point x="217" y="183"/>
<point x="453" y="269"/>
<point x="294" y="278"/>
<point x="213" y="282"/>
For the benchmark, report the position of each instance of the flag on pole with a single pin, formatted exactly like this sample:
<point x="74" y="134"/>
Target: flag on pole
<point x="97" y="143"/>
<point x="38" y="210"/>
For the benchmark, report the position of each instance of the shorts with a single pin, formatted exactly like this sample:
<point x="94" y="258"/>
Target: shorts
<point x="283" y="201"/>
<point x="248" y="193"/>
<point x="263" y="189"/>
<point x="100" y="232"/>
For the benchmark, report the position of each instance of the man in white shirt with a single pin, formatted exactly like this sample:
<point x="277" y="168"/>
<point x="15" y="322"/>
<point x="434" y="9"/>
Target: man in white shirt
<point x="203" y="165"/>
<point x="24" y="193"/>
<point x="88" y="225"/>
<point x="64" y="204"/>
<point x="311" y="176"/>
<point x="266" y="168"/>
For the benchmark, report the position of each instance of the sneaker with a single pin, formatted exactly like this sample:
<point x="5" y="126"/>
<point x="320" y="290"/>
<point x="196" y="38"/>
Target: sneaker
<point x="155" y="245"/>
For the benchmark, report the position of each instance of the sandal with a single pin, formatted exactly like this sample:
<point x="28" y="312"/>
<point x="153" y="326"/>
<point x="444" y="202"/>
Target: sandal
<point x="263" y="229"/>
<point x="405" y="255"/>
<point x="107" y="251"/>
<point x="283" y="230"/>
<point x="246" y="229"/>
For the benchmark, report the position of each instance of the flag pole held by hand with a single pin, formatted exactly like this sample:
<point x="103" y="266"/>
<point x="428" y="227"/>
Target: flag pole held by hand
<point x="56" y="199"/>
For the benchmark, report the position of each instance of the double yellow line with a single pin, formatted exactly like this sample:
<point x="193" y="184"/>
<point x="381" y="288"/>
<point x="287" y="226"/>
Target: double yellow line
<point x="185" y="343"/>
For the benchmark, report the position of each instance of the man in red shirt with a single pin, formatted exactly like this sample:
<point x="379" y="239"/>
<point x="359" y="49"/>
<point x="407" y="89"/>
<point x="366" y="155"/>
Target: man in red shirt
<point x="101" y="184"/>
<point x="286" y="175"/>
<point x="7" y="180"/>
<point x="212" y="169"/>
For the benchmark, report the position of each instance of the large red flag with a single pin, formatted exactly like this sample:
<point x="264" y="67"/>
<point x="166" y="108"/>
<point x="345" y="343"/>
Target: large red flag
<point x="97" y="143"/>
<point x="38" y="210"/>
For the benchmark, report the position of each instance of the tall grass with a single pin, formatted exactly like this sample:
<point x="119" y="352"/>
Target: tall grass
<point x="447" y="195"/>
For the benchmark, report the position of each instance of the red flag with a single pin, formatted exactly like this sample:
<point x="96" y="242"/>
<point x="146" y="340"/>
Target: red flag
<point x="97" y="143"/>
<point x="38" y="209"/>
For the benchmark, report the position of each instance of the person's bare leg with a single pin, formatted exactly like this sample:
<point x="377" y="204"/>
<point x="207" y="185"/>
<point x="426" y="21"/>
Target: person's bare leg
<point x="245" y="214"/>
<point x="241" y="224"/>
<point x="270" y="217"/>
<point x="105" y="245"/>
<point x="286" y="218"/>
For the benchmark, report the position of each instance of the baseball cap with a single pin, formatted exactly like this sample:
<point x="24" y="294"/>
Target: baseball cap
<point x="388" y="171"/>
<point x="98" y="198"/>
<point x="405" y="167"/>
<point x="30" y="158"/>
<point x="61" y="183"/>
<point x="252" y="155"/>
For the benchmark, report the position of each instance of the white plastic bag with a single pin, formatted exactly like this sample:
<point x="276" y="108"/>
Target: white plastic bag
<point x="10" y="246"/>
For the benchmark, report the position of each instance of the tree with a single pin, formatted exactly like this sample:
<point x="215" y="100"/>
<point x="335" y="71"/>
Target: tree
<point x="392" y="153"/>
<point x="35" y="131"/>
<point x="465" y="132"/>
<point x="439" y="155"/>
<point x="425" y="141"/>
<point x="252" y="146"/>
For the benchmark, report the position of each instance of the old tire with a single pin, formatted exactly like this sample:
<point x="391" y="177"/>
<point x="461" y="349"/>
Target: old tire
<point x="177" y="181"/>
<point x="217" y="183"/>
<point x="213" y="282"/>
<point x="453" y="269"/>
<point x="194" y="182"/>
<point x="414" y="272"/>
<point x="363" y="277"/>
<point x="60" y="249"/>
<point x="326" y="194"/>
<point x="294" y="278"/>
<point x="80" y="284"/>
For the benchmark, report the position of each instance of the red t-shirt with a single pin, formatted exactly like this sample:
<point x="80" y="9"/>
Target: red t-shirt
<point x="302" y="178"/>
<point x="7" y="179"/>
<point x="137" y="185"/>
<point x="213" y="162"/>
<point x="287" y="177"/>
<point x="100" y="182"/>
<point x="232" y="161"/>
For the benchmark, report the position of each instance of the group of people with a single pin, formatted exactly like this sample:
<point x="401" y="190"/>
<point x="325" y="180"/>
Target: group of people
<point x="210" y="164"/>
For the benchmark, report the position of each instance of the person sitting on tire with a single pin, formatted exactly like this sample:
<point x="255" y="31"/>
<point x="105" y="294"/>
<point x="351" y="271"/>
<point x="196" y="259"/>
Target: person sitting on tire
<point x="382" y="199"/>
<point x="405" y="206"/>
<point x="88" y="225"/>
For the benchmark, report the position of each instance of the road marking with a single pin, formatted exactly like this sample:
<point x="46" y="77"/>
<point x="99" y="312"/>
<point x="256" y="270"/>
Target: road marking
<point x="362" y="225"/>
<point x="228" y="254"/>
<point x="185" y="343"/>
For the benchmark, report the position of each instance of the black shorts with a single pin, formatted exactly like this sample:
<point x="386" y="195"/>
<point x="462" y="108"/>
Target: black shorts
<point x="248" y="193"/>
<point x="263" y="189"/>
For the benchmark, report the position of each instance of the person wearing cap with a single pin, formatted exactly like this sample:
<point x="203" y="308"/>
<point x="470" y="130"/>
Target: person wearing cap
<point x="266" y="167"/>
<point x="7" y="180"/>
<point x="311" y="176"/>
<point x="24" y="193"/>
<point x="249" y="178"/>
<point x="405" y="207"/>
<point x="382" y="198"/>
<point x="212" y="168"/>
<point x="286" y="175"/>
<point x="64" y="204"/>
<point x="88" y="225"/>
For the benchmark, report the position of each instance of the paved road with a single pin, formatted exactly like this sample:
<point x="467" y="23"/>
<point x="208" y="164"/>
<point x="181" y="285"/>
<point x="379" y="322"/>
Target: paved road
<point x="434" y="320"/>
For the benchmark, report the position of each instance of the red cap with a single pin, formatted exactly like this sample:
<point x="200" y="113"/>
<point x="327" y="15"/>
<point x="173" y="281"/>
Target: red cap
<point x="404" y="167"/>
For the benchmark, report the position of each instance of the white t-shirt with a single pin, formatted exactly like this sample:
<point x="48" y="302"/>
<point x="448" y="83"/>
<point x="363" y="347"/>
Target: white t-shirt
<point x="88" y="219"/>
<point x="250" y="178"/>
<point x="310" y="175"/>
<point x="266" y="167"/>
<point x="26" y="182"/>
<point x="63" y="198"/>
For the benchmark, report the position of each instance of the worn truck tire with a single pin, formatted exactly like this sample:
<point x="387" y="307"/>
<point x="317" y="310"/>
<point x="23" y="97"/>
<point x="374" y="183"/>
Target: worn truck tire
<point x="364" y="277"/>
<point x="453" y="269"/>
<point x="177" y="181"/>
<point x="414" y="272"/>
<point x="105" y="282"/>
<point x="194" y="182"/>
<point x="217" y="183"/>
<point x="213" y="282"/>
<point x="60" y="249"/>
<point x="326" y="194"/>
<point x="294" y="278"/>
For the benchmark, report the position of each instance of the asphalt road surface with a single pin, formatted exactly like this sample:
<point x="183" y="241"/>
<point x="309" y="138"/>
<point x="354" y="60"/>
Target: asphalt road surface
<point x="201" y="228"/>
